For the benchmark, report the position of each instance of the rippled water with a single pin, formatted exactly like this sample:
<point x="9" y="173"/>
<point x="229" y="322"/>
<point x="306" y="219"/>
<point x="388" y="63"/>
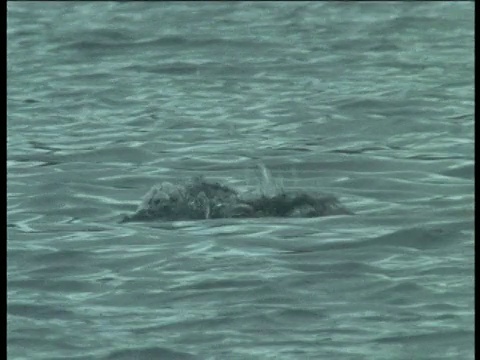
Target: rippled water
<point x="370" y="102"/>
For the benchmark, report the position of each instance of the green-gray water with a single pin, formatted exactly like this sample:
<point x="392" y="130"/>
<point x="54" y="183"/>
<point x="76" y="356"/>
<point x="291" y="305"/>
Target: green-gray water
<point x="370" y="102"/>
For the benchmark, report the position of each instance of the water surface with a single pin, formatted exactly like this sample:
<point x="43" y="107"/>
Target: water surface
<point x="370" y="102"/>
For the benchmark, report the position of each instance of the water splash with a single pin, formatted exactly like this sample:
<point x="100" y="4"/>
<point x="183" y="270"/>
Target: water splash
<point x="201" y="199"/>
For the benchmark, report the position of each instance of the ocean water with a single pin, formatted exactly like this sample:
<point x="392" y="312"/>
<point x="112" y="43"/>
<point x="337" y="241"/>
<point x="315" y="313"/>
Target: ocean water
<point x="370" y="102"/>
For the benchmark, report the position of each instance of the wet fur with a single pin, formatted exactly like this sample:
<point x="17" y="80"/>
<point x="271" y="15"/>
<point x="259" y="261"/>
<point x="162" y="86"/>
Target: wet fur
<point x="200" y="199"/>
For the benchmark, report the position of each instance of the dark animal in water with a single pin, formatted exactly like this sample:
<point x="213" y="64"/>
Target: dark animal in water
<point x="200" y="199"/>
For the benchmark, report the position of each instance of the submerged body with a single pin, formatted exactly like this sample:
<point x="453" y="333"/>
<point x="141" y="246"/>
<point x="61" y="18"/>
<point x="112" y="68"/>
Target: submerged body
<point x="200" y="199"/>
